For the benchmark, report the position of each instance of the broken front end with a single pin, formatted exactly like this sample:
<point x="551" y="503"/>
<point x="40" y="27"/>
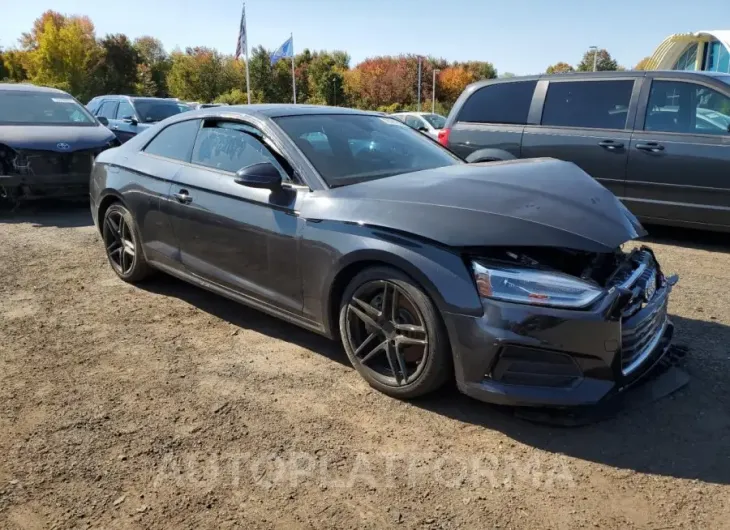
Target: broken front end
<point x="561" y="327"/>
<point x="34" y="174"/>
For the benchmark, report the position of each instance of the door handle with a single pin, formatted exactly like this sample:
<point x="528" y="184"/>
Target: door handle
<point x="183" y="197"/>
<point x="611" y="144"/>
<point x="652" y="147"/>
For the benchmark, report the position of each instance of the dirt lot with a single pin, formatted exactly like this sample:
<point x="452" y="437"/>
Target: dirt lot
<point x="166" y="406"/>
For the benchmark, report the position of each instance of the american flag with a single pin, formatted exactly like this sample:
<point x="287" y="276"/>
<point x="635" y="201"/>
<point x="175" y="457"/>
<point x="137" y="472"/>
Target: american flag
<point x="241" y="44"/>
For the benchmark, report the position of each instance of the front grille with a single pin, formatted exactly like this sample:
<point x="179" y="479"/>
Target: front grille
<point x="643" y="323"/>
<point x="637" y="342"/>
<point x="38" y="163"/>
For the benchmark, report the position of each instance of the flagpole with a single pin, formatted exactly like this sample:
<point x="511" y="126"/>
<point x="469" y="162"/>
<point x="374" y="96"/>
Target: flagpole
<point x="293" y="74"/>
<point x="248" y="77"/>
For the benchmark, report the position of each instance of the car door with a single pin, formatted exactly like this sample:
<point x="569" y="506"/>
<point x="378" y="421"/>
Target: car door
<point x="587" y="122"/>
<point x="680" y="153"/>
<point x="126" y="121"/>
<point x="108" y="110"/>
<point x="240" y="238"/>
<point x="156" y="166"/>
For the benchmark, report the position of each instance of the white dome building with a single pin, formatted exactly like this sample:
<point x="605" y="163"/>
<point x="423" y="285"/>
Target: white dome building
<point x="703" y="50"/>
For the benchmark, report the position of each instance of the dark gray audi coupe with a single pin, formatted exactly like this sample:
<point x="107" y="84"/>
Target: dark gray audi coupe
<point x="514" y="277"/>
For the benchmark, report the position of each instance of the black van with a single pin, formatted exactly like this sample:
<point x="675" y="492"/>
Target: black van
<point x="658" y="140"/>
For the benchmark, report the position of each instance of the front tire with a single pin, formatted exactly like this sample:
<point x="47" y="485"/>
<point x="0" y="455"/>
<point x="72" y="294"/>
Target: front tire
<point x="393" y="335"/>
<point x="123" y="244"/>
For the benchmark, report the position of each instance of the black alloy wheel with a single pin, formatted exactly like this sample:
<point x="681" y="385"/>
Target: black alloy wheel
<point x="123" y="248"/>
<point x="393" y="335"/>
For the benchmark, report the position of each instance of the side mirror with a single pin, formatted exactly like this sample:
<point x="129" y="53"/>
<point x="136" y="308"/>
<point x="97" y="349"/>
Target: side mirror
<point x="103" y="120"/>
<point x="262" y="175"/>
<point x="422" y="128"/>
<point x="129" y="119"/>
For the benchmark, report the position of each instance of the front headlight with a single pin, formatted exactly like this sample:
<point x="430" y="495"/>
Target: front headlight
<point x="528" y="286"/>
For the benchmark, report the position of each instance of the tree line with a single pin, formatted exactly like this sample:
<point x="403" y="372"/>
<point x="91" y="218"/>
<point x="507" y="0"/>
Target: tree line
<point x="64" y="52"/>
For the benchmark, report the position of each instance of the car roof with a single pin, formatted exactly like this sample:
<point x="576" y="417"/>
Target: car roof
<point x="26" y="87"/>
<point x="277" y="110"/>
<point x="689" y="74"/>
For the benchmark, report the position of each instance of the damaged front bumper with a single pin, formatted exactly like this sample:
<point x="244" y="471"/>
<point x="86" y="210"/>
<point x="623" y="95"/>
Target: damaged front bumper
<point x="517" y="354"/>
<point x="31" y="174"/>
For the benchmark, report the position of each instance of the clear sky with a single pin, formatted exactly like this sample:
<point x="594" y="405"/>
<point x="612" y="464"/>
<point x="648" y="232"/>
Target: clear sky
<point x="519" y="36"/>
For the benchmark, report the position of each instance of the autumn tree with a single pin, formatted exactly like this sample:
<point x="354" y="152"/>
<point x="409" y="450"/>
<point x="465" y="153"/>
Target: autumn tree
<point x="453" y="81"/>
<point x="644" y="64"/>
<point x="61" y="53"/>
<point x="560" y="68"/>
<point x="604" y="61"/>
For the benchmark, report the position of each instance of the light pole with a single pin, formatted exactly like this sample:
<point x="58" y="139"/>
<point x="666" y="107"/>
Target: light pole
<point x="595" y="55"/>
<point x="433" y="91"/>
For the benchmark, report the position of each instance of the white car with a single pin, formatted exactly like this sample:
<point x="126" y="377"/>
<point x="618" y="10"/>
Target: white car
<point x="426" y="122"/>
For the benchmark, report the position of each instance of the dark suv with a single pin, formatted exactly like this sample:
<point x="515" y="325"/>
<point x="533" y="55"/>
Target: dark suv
<point x="660" y="141"/>
<point x="128" y="116"/>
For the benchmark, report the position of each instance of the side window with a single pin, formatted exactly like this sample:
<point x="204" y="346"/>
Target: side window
<point x="499" y="103"/>
<point x="108" y="109"/>
<point x="125" y="109"/>
<point x="688" y="108"/>
<point x="229" y="146"/>
<point x="414" y="122"/>
<point x="588" y="104"/>
<point x="175" y="141"/>
<point x="93" y="106"/>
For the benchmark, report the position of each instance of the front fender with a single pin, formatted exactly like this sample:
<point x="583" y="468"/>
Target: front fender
<point x="440" y="271"/>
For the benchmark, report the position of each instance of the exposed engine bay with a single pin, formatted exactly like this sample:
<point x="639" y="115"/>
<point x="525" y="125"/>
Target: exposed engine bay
<point x="602" y="269"/>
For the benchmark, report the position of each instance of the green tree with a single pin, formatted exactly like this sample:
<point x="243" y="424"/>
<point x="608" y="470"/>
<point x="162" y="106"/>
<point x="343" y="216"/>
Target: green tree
<point x="154" y="67"/>
<point x="203" y="74"/>
<point x="604" y="61"/>
<point x="116" y="71"/>
<point x="560" y="68"/>
<point x="234" y="97"/>
<point x="14" y="65"/>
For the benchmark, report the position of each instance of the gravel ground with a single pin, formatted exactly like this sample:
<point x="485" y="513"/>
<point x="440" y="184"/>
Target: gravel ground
<point x="166" y="406"/>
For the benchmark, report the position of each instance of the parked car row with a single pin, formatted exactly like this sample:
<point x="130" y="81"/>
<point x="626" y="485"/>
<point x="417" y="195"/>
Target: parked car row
<point x="428" y="263"/>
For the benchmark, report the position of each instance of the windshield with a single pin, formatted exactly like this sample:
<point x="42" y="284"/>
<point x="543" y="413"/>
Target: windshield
<point x="346" y="149"/>
<point x="153" y="110"/>
<point x="21" y="107"/>
<point x="436" y="121"/>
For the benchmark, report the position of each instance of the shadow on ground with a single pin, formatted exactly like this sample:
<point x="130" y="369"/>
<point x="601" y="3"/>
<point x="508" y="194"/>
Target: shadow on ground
<point x="688" y="238"/>
<point x="685" y="435"/>
<point x="62" y="214"/>
<point x="244" y="317"/>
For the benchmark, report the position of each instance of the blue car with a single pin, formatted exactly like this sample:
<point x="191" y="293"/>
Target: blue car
<point x="48" y="143"/>
<point x="128" y="116"/>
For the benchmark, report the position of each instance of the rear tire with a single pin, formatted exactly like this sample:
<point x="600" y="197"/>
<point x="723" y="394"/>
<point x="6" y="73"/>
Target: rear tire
<point x="123" y="244"/>
<point x="393" y="334"/>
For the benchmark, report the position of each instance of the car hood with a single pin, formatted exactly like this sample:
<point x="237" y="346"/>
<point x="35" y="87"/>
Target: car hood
<point x="536" y="202"/>
<point x="47" y="137"/>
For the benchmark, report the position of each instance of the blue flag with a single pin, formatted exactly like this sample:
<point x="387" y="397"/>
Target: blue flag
<point x="286" y="50"/>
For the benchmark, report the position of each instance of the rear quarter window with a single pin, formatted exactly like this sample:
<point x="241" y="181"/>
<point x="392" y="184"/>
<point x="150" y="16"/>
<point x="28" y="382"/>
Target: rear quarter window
<point x="499" y="103"/>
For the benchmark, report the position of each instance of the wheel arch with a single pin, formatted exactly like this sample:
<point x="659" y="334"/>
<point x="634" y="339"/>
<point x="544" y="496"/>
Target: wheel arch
<point x="109" y="197"/>
<point x="484" y="155"/>
<point x="352" y="264"/>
